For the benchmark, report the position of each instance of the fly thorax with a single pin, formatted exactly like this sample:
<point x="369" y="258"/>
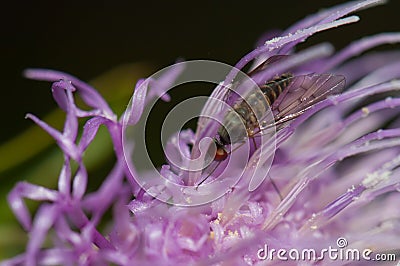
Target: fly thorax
<point x="233" y="129"/>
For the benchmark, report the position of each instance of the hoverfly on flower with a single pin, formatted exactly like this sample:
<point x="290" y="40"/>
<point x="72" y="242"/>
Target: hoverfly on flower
<point x="287" y="96"/>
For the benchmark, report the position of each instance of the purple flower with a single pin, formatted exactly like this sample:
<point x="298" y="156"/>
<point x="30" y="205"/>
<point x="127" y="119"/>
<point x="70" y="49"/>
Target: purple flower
<point x="336" y="168"/>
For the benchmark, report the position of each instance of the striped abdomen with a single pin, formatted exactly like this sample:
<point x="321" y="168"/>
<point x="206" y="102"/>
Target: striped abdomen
<point x="255" y="104"/>
<point x="272" y="89"/>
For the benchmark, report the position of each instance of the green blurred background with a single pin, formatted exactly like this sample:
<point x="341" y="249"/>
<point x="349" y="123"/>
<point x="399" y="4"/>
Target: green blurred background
<point x="111" y="44"/>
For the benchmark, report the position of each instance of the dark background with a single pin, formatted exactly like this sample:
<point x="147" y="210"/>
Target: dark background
<point x="89" y="37"/>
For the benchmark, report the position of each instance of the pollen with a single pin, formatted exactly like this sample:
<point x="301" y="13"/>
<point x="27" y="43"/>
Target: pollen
<point x="212" y="235"/>
<point x="219" y="217"/>
<point x="365" y="111"/>
<point x="375" y="178"/>
<point x="233" y="233"/>
<point x="314" y="227"/>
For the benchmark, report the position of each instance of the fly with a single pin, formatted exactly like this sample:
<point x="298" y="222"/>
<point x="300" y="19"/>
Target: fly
<point x="287" y="96"/>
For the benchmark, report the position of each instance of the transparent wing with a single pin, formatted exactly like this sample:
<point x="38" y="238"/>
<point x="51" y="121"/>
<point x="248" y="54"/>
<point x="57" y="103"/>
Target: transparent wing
<point x="305" y="91"/>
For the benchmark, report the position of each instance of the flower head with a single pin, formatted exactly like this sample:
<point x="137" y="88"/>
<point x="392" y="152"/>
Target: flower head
<point x="334" y="174"/>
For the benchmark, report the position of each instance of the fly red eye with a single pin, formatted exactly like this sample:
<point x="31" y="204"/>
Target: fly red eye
<point x="220" y="154"/>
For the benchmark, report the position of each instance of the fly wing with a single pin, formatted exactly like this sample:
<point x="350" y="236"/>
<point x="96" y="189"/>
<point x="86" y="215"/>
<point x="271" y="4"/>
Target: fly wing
<point x="305" y="91"/>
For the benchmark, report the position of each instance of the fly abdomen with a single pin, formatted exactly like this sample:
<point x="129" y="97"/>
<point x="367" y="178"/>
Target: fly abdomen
<point x="247" y="112"/>
<point x="272" y="89"/>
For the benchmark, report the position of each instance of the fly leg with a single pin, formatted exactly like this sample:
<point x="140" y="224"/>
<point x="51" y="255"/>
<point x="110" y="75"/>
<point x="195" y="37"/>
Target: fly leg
<point x="251" y="135"/>
<point x="275" y="187"/>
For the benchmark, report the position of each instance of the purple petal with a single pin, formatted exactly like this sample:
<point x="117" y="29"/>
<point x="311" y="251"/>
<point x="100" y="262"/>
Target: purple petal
<point x="163" y="83"/>
<point x="88" y="93"/>
<point x="64" y="179"/>
<point x="80" y="182"/>
<point x="65" y="144"/>
<point x="330" y="13"/>
<point x="298" y="35"/>
<point x="279" y="42"/>
<point x="99" y="201"/>
<point x="331" y="16"/>
<point x="71" y="121"/>
<point x="350" y="95"/>
<point x="33" y="192"/>
<point x="44" y="219"/>
<point x="90" y="131"/>
<point x="58" y="89"/>
<point x="359" y="47"/>
<point x="137" y="104"/>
